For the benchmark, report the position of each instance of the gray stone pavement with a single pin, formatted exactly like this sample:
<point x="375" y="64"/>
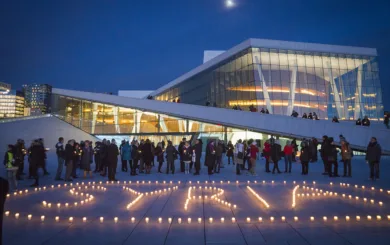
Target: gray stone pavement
<point x="112" y="202"/>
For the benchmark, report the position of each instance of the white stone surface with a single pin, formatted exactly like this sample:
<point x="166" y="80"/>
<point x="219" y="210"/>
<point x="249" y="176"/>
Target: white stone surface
<point x="48" y="128"/>
<point x="134" y="93"/>
<point x="211" y="54"/>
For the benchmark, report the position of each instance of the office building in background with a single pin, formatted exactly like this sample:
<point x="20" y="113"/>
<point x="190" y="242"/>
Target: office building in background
<point x="37" y="98"/>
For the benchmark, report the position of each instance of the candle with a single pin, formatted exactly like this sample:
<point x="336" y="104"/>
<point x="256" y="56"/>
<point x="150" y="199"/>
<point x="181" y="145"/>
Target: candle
<point x="29" y="217"/>
<point x="200" y="220"/>
<point x="43" y="218"/>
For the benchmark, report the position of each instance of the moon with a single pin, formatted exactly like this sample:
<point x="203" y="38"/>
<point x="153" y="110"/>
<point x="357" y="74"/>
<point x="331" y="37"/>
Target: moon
<point x="230" y="3"/>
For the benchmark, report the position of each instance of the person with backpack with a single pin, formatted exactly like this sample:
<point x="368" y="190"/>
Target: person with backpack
<point x="10" y="166"/>
<point x="60" y="151"/>
<point x="346" y="155"/>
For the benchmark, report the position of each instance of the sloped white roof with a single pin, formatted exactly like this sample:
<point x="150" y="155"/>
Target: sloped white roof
<point x="266" y="123"/>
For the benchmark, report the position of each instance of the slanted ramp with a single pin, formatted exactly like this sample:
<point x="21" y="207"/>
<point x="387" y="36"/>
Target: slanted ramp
<point x="264" y="123"/>
<point x="47" y="127"/>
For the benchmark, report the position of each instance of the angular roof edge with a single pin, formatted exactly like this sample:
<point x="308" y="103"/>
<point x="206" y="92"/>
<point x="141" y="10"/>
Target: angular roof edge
<point x="268" y="43"/>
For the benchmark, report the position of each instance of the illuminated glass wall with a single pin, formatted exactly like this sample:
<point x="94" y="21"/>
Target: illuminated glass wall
<point x="111" y="121"/>
<point x="346" y="86"/>
<point x="11" y="104"/>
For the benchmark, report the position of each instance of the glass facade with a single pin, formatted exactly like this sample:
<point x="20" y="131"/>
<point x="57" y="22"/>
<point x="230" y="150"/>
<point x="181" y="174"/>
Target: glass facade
<point x="111" y="121"/>
<point x="346" y="86"/>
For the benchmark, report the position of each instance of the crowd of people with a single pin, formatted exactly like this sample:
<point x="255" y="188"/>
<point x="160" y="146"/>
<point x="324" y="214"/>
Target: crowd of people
<point x="138" y="157"/>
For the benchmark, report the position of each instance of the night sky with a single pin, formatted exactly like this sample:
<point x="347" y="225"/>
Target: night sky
<point x="105" y="46"/>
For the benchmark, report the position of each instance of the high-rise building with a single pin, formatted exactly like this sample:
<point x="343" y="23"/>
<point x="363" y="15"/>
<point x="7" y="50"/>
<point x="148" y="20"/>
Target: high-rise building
<point x="37" y="98"/>
<point x="11" y="102"/>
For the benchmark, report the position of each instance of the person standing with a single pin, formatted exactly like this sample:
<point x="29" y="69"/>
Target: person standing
<point x="134" y="157"/>
<point x="10" y="166"/>
<point x="346" y="155"/>
<point x="76" y="159"/>
<point x="19" y="152"/>
<point x="112" y="157"/>
<point x="239" y="156"/>
<point x="267" y="154"/>
<point x="160" y="156"/>
<point x="210" y="157"/>
<point x="229" y="152"/>
<point x="198" y="155"/>
<point x="125" y="155"/>
<point x="218" y="156"/>
<point x="313" y="150"/>
<point x="332" y="159"/>
<point x="60" y="151"/>
<point x="86" y="156"/>
<point x="103" y="157"/>
<point x="186" y="157"/>
<point x="96" y="152"/>
<point x="38" y="156"/>
<point x="373" y="158"/>
<point x="276" y="150"/>
<point x="180" y="148"/>
<point x="171" y="155"/>
<point x="288" y="150"/>
<point x="124" y="163"/>
<point x="253" y="156"/>
<point x="324" y="151"/>
<point x="305" y="157"/>
<point x="147" y="153"/>
<point x="141" y="157"/>
<point x="69" y="157"/>
<point x="295" y="149"/>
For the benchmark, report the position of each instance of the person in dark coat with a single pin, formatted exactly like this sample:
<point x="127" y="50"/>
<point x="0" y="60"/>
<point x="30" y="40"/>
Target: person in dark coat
<point x="262" y="111"/>
<point x="366" y="121"/>
<point x="69" y="157"/>
<point x="335" y="119"/>
<point x="332" y="152"/>
<point x="294" y="114"/>
<point x="310" y="116"/>
<point x="305" y="158"/>
<point x="218" y="156"/>
<point x="198" y="155"/>
<point x="171" y="155"/>
<point x="210" y="156"/>
<point x="19" y="152"/>
<point x="295" y="149"/>
<point x="230" y="152"/>
<point x="86" y="157"/>
<point x="313" y="149"/>
<point x="4" y="190"/>
<point x="180" y="149"/>
<point x="96" y="152"/>
<point x="147" y="153"/>
<point x="325" y="149"/>
<point x="304" y="115"/>
<point x="141" y="157"/>
<point x="103" y="157"/>
<point x="37" y="159"/>
<point x="159" y="152"/>
<point x="76" y="159"/>
<point x="112" y="160"/>
<point x="359" y="122"/>
<point x="266" y="111"/>
<point x="373" y="158"/>
<point x="276" y="150"/>
<point x="135" y="158"/>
